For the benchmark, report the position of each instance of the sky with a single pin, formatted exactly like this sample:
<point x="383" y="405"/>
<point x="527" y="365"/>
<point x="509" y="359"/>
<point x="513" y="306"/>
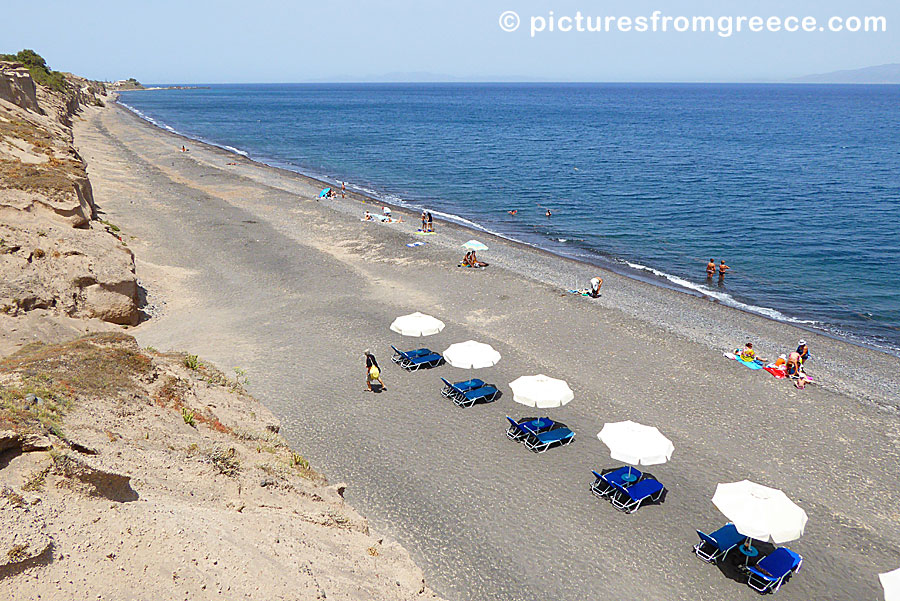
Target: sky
<point x="273" y="41"/>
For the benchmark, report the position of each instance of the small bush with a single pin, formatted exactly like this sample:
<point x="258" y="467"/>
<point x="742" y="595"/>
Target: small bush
<point x="192" y="362"/>
<point x="188" y="416"/>
<point x="297" y="460"/>
<point x="225" y="461"/>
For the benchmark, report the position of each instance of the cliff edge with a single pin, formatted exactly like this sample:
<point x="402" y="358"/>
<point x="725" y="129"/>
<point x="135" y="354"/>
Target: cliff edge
<point x="55" y="254"/>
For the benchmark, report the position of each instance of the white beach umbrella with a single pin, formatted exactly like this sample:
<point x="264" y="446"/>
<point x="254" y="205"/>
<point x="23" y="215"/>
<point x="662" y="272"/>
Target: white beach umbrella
<point x="760" y="512"/>
<point x="636" y="444"/>
<point x="417" y="324"/>
<point x="541" y="392"/>
<point x="474" y="245"/>
<point x="890" y="581"/>
<point x="471" y="355"/>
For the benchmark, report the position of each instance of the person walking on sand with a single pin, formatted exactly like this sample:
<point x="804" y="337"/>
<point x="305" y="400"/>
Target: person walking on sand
<point x="710" y="269"/>
<point x="722" y="269"/>
<point x="373" y="373"/>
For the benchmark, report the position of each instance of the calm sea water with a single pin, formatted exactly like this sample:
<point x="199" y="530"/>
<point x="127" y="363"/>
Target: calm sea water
<point x="796" y="187"/>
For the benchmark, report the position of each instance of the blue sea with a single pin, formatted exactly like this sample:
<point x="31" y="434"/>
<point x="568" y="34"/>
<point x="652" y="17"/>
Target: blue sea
<point x="796" y="187"/>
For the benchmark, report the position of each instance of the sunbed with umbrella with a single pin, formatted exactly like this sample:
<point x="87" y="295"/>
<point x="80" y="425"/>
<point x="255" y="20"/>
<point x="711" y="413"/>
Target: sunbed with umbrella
<point x="540" y="392"/>
<point x="416" y="324"/>
<point x="634" y="444"/>
<point x="470" y="355"/>
<point x="762" y="513"/>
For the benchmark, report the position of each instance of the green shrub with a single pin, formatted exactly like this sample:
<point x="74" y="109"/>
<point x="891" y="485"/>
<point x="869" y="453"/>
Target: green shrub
<point x="39" y="70"/>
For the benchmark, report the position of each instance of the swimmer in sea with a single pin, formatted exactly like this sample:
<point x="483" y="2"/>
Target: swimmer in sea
<point x="710" y="269"/>
<point x="513" y="212"/>
<point x="548" y="213"/>
<point x="722" y="269"/>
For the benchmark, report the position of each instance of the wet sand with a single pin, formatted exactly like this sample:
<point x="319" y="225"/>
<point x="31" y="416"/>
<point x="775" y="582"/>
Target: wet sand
<point x="243" y="267"/>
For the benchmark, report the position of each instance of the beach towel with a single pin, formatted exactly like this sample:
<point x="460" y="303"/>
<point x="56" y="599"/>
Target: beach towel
<point x="582" y="293"/>
<point x="421" y="233"/>
<point x="415" y="244"/>
<point x="778" y="373"/>
<point x="751" y="364"/>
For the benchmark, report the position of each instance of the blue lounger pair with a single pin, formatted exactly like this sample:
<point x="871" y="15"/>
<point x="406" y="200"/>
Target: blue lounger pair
<point x="519" y="430"/>
<point x="540" y="442"/>
<point x="630" y="498"/>
<point x="425" y="360"/>
<point x="466" y="394"/>
<point x="772" y="570"/>
<point x="715" y="546"/>
<point x="451" y="390"/>
<point x="605" y="484"/>
<point x="400" y="356"/>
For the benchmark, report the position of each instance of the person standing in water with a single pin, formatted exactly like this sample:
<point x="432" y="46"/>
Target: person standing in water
<point x="722" y="269"/>
<point x="710" y="269"/>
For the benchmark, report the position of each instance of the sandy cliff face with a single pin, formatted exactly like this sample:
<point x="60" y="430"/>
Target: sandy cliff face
<point x="134" y="474"/>
<point x="54" y="254"/>
<point x="17" y="87"/>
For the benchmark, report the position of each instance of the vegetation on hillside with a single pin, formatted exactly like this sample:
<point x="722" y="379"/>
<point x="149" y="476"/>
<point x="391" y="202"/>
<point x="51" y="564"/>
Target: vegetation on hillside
<point x="39" y="70"/>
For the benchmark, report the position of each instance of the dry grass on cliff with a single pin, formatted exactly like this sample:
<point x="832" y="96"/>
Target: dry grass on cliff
<point x="99" y="365"/>
<point x="53" y="178"/>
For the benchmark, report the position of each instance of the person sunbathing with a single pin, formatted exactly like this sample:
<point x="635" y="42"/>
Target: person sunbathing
<point x="476" y="262"/>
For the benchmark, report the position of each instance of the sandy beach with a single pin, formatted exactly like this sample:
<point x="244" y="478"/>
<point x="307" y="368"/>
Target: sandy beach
<point x="242" y="266"/>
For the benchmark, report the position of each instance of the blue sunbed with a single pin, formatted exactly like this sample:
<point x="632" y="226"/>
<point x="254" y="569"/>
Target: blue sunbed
<point x="400" y="356"/>
<point x="459" y="388"/>
<point x="416" y="363"/>
<point x="630" y="499"/>
<point x="540" y="442"/>
<point x="467" y="399"/>
<point x="773" y="569"/>
<point x="518" y="430"/>
<point x="604" y="485"/>
<point x="715" y="546"/>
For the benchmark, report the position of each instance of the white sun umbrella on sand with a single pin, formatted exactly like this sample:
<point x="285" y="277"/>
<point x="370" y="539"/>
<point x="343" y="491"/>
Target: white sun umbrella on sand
<point x="541" y="392"/>
<point x="474" y="245"/>
<point x="890" y="581"/>
<point x="760" y="512"/>
<point x="417" y="324"/>
<point x="636" y="444"/>
<point x="471" y="355"/>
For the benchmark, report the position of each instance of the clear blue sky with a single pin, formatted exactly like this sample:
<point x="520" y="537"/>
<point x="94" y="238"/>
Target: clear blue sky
<point x="334" y="40"/>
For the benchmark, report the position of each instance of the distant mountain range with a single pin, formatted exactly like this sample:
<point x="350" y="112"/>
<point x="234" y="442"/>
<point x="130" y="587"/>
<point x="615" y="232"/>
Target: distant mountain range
<point x="889" y="73"/>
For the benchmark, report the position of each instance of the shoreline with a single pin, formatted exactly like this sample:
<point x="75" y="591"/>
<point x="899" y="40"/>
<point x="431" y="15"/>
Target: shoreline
<point x="640" y="273"/>
<point x="622" y="267"/>
<point x="848" y="368"/>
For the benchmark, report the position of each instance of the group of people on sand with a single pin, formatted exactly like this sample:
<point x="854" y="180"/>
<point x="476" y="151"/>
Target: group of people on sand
<point x="427" y="223"/>
<point x="471" y="260"/>
<point x="792" y="364"/>
<point x="711" y="269"/>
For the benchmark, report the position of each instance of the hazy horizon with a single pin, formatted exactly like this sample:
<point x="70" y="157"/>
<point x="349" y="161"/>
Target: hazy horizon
<point x="273" y="41"/>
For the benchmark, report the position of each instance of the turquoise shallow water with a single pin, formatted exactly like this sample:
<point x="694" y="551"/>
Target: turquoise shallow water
<point x="796" y="187"/>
